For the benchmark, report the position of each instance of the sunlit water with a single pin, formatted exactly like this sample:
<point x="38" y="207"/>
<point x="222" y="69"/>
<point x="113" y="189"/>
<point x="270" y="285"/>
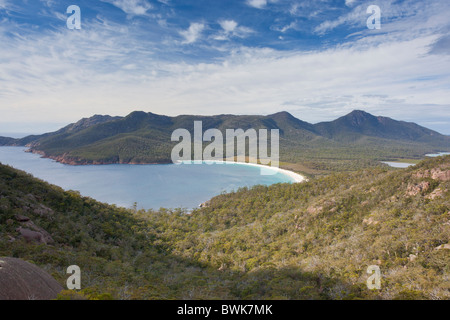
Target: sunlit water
<point x="151" y="186"/>
<point x="434" y="155"/>
<point x="406" y="165"/>
<point x="398" y="164"/>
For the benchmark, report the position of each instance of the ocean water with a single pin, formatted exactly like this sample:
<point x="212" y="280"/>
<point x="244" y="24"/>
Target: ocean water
<point x="150" y="186"/>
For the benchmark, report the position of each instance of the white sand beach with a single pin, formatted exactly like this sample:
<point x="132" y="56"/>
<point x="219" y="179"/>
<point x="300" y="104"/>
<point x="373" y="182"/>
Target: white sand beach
<point x="298" y="178"/>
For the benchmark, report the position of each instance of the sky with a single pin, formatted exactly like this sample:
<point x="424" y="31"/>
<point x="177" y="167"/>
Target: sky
<point x="316" y="59"/>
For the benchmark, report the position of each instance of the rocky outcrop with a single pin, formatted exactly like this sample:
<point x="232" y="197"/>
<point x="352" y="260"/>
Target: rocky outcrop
<point x="43" y="211"/>
<point x="435" y="174"/>
<point x="31" y="232"/>
<point x="206" y="204"/>
<point x="21" y="280"/>
<point x="371" y="221"/>
<point x="414" y="189"/>
<point x="412" y="257"/>
<point x="442" y="247"/>
<point x="438" y="193"/>
<point x="314" y="210"/>
<point x="21" y="218"/>
<point x="77" y="161"/>
<point x="65" y="158"/>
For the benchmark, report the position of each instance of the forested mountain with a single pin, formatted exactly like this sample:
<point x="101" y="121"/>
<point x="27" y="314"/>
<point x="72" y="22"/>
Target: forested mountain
<point x="67" y="130"/>
<point x="5" y="141"/>
<point x="351" y="142"/>
<point x="313" y="240"/>
<point x="360" y="123"/>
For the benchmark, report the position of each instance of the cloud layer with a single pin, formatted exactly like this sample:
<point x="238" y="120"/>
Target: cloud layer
<point x="131" y="7"/>
<point x="161" y="59"/>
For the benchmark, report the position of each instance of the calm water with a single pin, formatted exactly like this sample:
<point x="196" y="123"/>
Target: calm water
<point x="434" y="155"/>
<point x="406" y="165"/>
<point x="151" y="186"/>
<point x="398" y="164"/>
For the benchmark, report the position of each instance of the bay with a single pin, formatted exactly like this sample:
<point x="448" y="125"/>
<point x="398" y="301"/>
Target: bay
<point x="150" y="186"/>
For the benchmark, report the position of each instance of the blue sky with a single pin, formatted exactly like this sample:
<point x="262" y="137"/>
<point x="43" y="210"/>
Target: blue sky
<point x="315" y="59"/>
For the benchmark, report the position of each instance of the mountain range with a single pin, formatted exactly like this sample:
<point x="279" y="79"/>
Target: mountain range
<point x="144" y="137"/>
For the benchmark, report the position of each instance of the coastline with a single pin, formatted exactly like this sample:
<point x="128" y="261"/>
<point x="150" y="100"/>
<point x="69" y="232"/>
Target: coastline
<point x="298" y="178"/>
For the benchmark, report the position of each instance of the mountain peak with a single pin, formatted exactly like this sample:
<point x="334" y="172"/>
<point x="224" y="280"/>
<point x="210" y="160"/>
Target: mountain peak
<point x="282" y="114"/>
<point x="359" y="122"/>
<point x="137" y="114"/>
<point x="358" y="118"/>
<point x="359" y="114"/>
<point x="88" y="122"/>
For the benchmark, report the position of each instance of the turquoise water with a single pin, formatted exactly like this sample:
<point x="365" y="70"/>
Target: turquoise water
<point x="151" y="186"/>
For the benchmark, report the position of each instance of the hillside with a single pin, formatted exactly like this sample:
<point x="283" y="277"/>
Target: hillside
<point x="362" y="123"/>
<point x="358" y="140"/>
<point x="304" y="241"/>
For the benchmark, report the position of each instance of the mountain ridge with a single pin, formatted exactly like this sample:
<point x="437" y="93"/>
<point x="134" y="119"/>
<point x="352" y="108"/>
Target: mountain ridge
<point x="359" y="121"/>
<point x="144" y="137"/>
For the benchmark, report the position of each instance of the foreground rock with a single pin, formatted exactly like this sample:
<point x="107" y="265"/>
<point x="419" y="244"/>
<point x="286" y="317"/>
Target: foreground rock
<point x="21" y="280"/>
<point x="32" y="232"/>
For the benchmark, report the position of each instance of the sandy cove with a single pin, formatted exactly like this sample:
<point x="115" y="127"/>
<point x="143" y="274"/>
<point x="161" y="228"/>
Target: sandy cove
<point x="298" y="178"/>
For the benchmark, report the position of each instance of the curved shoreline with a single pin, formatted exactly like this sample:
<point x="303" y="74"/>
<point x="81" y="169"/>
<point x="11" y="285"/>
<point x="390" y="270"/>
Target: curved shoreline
<point x="298" y="178"/>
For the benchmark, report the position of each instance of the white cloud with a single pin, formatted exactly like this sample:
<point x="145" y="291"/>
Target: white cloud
<point x="106" y="68"/>
<point x="257" y="3"/>
<point x="4" y="4"/>
<point x="48" y="3"/>
<point x="231" y="28"/>
<point x="358" y="16"/>
<point x="228" y="25"/>
<point x="131" y="7"/>
<point x="162" y="23"/>
<point x="349" y="3"/>
<point x="404" y="17"/>
<point x="192" y="34"/>
<point x="70" y="75"/>
<point x="292" y="25"/>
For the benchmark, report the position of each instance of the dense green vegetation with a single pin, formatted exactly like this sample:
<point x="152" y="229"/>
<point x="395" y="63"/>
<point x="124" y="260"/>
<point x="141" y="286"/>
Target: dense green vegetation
<point x="288" y="241"/>
<point x="358" y="140"/>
